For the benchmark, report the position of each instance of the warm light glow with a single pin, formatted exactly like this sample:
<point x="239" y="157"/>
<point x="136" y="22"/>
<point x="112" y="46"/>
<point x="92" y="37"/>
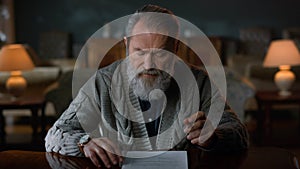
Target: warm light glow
<point x="283" y="54"/>
<point x="284" y="79"/>
<point x="16" y="84"/>
<point x="14" y="57"/>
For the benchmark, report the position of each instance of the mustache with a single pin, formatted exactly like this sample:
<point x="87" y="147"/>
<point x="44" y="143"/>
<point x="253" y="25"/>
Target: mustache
<point x="151" y="71"/>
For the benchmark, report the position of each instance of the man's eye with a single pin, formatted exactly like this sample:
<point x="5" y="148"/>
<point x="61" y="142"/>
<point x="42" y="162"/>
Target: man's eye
<point x="160" y="54"/>
<point x="140" y="53"/>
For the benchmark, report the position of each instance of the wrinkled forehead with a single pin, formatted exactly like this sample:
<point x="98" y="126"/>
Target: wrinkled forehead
<point x="144" y="37"/>
<point x="144" y="27"/>
<point x="150" y="40"/>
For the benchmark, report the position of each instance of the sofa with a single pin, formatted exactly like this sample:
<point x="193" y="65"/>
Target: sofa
<point x="45" y="76"/>
<point x="260" y="78"/>
<point x="38" y="76"/>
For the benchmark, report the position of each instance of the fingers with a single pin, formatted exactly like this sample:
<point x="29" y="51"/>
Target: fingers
<point x="197" y="125"/>
<point x="194" y="134"/>
<point x="194" y="117"/>
<point x="103" y="156"/>
<point x="90" y="153"/>
<point x="94" y="159"/>
<point x="194" y="124"/>
<point x="116" y="150"/>
<point x="103" y="149"/>
<point x="110" y="150"/>
<point x="195" y="121"/>
<point x="194" y="128"/>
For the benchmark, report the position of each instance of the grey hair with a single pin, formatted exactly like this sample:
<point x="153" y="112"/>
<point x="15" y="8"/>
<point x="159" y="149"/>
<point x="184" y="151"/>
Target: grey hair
<point x="155" y="22"/>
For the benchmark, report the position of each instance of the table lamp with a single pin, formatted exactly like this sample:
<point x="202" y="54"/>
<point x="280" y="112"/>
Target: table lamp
<point x="283" y="54"/>
<point x="14" y="58"/>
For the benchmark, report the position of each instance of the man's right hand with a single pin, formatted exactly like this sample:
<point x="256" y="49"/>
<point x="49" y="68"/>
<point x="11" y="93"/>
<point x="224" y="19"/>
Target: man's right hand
<point x="102" y="149"/>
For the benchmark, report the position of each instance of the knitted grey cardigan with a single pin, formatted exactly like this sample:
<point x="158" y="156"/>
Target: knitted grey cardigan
<point x="83" y="116"/>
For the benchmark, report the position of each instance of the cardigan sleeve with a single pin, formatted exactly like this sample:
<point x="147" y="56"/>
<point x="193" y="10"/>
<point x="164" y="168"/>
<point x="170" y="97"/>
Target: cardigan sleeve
<point x="83" y="116"/>
<point x="74" y="123"/>
<point x="231" y="134"/>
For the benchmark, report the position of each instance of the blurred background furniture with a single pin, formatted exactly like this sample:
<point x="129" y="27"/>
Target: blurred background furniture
<point x="40" y="75"/>
<point x="38" y="81"/>
<point x="61" y="94"/>
<point x="248" y="62"/>
<point x="15" y="59"/>
<point x="266" y="101"/>
<point x="55" y="44"/>
<point x="292" y="33"/>
<point x="254" y="41"/>
<point x="32" y="99"/>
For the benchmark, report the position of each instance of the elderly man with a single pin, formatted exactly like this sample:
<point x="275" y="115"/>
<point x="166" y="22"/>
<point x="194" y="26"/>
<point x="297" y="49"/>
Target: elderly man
<point x="98" y="126"/>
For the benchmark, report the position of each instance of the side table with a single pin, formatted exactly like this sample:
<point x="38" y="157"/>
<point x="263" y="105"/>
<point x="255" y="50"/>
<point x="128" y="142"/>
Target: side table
<point x="265" y="101"/>
<point x="33" y="101"/>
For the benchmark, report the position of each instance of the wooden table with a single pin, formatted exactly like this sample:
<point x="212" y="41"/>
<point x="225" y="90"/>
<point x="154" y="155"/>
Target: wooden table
<point x="266" y="100"/>
<point x="33" y="100"/>
<point x="273" y="158"/>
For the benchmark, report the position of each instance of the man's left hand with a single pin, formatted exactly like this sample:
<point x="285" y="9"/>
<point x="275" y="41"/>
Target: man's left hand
<point x="193" y="127"/>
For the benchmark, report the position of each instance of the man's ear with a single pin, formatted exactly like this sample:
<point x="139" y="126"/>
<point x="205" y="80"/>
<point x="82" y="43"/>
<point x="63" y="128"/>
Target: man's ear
<point x="125" y="41"/>
<point x="126" y="45"/>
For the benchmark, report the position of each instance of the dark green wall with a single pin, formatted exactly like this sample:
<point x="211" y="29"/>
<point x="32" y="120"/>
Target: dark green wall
<point x="214" y="17"/>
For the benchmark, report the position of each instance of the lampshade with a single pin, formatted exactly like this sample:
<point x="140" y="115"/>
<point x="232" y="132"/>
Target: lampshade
<point x="282" y="52"/>
<point x="14" y="58"/>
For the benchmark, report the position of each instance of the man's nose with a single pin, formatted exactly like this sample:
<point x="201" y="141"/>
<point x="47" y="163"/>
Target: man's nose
<point x="148" y="61"/>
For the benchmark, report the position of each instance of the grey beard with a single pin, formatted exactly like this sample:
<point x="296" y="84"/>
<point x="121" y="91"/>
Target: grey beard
<point x="143" y="87"/>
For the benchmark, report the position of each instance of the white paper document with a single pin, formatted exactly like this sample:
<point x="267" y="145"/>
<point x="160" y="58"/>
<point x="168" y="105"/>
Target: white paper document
<point x="157" y="160"/>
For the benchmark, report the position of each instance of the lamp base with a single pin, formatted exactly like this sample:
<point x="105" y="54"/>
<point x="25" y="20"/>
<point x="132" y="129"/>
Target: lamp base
<point x="284" y="93"/>
<point x="284" y="79"/>
<point x="16" y="84"/>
